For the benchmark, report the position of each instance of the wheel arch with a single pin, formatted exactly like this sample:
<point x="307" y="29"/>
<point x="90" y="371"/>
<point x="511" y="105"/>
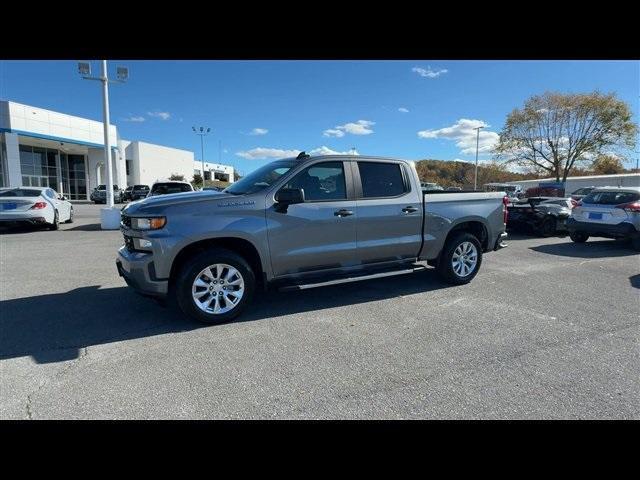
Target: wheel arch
<point x="475" y="227"/>
<point x="241" y="246"/>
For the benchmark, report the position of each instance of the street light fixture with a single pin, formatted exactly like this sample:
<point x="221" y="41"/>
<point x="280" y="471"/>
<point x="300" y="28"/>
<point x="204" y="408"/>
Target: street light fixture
<point x="202" y="133"/>
<point x="110" y="217"/>
<point x="475" y="178"/>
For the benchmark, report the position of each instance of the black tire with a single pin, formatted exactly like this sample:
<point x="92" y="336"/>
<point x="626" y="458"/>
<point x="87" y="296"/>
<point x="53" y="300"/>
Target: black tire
<point x="578" y="237"/>
<point x="445" y="264"/>
<point x="194" y="265"/>
<point x="70" y="216"/>
<point x="56" y="222"/>
<point x="635" y="243"/>
<point x="548" y="227"/>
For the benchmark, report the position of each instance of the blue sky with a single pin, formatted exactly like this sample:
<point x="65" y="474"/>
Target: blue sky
<point x="262" y="109"/>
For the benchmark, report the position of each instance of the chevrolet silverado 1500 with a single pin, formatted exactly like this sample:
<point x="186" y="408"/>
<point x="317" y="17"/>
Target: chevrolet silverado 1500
<point x="299" y="223"/>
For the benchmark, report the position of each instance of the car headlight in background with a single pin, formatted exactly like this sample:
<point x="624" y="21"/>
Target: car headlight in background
<point x="148" y="223"/>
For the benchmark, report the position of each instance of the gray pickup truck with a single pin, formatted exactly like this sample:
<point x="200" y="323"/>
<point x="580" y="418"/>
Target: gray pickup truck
<point x="299" y="223"/>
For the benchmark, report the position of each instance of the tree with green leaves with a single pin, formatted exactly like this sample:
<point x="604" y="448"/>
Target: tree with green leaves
<point x="176" y="177"/>
<point x="607" y="165"/>
<point x="556" y="132"/>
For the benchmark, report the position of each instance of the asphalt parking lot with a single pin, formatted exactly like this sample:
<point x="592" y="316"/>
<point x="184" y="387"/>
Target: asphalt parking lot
<point x="548" y="329"/>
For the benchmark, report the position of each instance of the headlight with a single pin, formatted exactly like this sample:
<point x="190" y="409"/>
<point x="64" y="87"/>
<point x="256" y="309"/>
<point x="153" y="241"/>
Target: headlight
<point x="148" y="223"/>
<point x="142" y="244"/>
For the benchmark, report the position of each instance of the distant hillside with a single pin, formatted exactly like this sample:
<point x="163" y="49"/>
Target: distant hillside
<point x="460" y="174"/>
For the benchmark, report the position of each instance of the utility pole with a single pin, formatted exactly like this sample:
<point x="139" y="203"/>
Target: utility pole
<point x="110" y="217"/>
<point x="202" y="132"/>
<point x="475" y="178"/>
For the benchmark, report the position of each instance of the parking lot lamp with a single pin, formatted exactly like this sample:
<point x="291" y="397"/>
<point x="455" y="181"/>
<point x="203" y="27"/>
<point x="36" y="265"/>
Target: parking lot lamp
<point x="475" y="177"/>
<point x="110" y="216"/>
<point x="202" y="132"/>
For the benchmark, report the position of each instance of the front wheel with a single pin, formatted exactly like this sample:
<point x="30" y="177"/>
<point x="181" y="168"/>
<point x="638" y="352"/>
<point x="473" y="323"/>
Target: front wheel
<point x="56" y="222"/>
<point x="215" y="286"/>
<point x="579" y="237"/>
<point x="460" y="259"/>
<point x="70" y="216"/>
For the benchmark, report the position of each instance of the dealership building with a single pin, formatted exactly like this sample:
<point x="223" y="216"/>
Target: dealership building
<point x="51" y="149"/>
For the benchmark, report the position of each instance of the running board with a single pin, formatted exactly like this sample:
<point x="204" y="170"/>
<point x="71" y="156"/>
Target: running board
<point x="339" y="281"/>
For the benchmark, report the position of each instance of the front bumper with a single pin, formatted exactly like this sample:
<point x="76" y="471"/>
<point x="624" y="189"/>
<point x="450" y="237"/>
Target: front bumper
<point x="138" y="271"/>
<point x="619" y="230"/>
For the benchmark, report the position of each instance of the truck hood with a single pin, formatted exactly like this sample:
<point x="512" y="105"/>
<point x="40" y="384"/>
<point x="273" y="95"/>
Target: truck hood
<point x="174" y="199"/>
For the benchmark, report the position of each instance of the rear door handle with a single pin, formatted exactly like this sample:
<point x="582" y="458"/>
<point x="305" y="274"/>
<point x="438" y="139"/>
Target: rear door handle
<point x="409" y="209"/>
<point x="343" y="212"/>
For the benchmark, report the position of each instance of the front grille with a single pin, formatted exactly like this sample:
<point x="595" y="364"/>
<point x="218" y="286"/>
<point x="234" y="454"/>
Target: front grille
<point x="125" y="220"/>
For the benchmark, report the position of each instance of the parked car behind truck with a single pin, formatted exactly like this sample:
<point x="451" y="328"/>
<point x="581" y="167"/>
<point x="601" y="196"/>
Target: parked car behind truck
<point x="299" y="223"/>
<point x="610" y="212"/>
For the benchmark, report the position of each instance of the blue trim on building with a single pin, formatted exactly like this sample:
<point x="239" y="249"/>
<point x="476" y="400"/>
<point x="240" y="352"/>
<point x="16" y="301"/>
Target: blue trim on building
<point x="57" y="139"/>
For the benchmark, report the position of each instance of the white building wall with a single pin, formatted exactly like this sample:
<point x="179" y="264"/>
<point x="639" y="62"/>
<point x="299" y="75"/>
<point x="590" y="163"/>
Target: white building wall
<point x="95" y="159"/>
<point x="215" y="167"/>
<point x="573" y="183"/>
<point x="14" y="176"/>
<point x="25" y="118"/>
<point x="157" y="162"/>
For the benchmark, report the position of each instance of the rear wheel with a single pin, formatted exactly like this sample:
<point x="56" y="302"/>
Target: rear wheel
<point x="460" y="259"/>
<point x="635" y="242"/>
<point x="548" y="227"/>
<point x="215" y="286"/>
<point x="579" y="237"/>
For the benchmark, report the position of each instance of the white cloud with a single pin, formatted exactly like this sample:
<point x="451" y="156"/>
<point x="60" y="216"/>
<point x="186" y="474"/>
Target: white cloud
<point x="332" y="132"/>
<point x="259" y="131"/>
<point x="361" y="127"/>
<point x="464" y="134"/>
<point x="263" y="153"/>
<point x="162" y="115"/>
<point x="428" y="72"/>
<point x="225" y="151"/>
<point x="403" y="110"/>
<point x="327" y="151"/>
<point x="134" y="118"/>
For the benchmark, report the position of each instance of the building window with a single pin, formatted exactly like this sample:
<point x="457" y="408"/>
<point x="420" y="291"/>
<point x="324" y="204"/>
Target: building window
<point x="196" y="171"/>
<point x="38" y="167"/>
<point x="207" y="175"/>
<point x="128" y="167"/>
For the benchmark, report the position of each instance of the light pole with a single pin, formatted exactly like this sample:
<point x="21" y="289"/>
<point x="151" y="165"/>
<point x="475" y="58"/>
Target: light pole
<point x="475" y="177"/>
<point x="110" y="217"/>
<point x="202" y="132"/>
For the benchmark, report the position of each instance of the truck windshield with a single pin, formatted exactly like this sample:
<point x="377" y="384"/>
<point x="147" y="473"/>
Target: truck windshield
<point x="260" y="179"/>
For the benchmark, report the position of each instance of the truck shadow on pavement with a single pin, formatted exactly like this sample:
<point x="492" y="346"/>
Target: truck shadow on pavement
<point x="57" y="327"/>
<point x="590" y="249"/>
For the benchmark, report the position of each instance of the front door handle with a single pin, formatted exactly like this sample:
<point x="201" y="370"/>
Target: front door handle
<point x="409" y="209"/>
<point x="343" y="212"/>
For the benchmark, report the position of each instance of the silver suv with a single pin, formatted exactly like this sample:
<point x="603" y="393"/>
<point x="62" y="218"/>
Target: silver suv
<point x="611" y="212"/>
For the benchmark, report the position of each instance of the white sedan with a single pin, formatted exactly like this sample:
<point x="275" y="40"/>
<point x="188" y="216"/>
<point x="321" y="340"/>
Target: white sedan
<point x="34" y="206"/>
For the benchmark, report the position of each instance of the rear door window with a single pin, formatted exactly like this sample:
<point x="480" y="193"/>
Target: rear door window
<point x="380" y="179"/>
<point x="611" y="198"/>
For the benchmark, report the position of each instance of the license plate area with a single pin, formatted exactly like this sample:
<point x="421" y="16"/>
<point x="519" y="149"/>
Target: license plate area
<point x="595" y="216"/>
<point x="8" y="206"/>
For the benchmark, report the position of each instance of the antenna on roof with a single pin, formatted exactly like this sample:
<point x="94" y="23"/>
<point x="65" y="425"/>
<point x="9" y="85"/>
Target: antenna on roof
<point x="302" y="155"/>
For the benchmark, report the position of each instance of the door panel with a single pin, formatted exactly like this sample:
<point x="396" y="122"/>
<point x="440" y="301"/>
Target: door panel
<point x="388" y="228"/>
<point x="314" y="235"/>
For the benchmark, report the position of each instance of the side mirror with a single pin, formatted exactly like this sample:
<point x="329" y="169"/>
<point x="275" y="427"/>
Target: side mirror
<point x="288" y="196"/>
